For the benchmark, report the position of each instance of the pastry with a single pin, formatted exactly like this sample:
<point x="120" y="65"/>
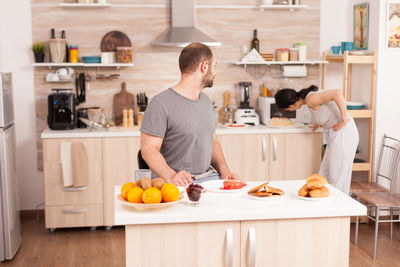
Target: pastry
<point x="257" y="188"/>
<point x="321" y="192"/>
<point x="316" y="181"/>
<point x="262" y="194"/>
<point x="280" y="122"/>
<point x="274" y="191"/>
<point x="303" y="192"/>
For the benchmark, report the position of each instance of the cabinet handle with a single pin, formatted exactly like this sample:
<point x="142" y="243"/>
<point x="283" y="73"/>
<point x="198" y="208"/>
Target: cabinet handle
<point x="229" y="247"/>
<point x="77" y="211"/>
<point x="75" y="189"/>
<point x="252" y="238"/>
<point x="275" y="147"/>
<point x="264" y="149"/>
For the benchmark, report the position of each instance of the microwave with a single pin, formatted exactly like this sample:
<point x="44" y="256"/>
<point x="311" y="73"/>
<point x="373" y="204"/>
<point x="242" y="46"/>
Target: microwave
<point x="267" y="109"/>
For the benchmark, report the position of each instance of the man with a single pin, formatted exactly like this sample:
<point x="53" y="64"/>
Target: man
<point x="178" y="140"/>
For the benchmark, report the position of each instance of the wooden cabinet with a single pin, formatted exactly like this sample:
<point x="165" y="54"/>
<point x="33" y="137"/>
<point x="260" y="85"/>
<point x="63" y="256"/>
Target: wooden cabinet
<point x="274" y="156"/>
<point x="70" y="206"/>
<point x="246" y="155"/>
<point x="288" y="242"/>
<point x="184" y="244"/>
<point x="119" y="165"/>
<point x="294" y="156"/>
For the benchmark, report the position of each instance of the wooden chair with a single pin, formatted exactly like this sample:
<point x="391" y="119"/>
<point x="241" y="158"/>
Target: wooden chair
<point x="383" y="201"/>
<point x="375" y="186"/>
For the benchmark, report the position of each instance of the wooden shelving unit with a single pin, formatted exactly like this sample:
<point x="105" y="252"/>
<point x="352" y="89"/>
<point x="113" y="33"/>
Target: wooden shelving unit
<point x="268" y="63"/>
<point x="78" y="5"/>
<point x="348" y="61"/>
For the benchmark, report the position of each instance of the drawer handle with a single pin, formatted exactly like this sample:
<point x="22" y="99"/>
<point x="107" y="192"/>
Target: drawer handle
<point x="229" y="247"/>
<point x="252" y="238"/>
<point x="275" y="145"/>
<point x="77" y="211"/>
<point x="75" y="189"/>
<point x="264" y="149"/>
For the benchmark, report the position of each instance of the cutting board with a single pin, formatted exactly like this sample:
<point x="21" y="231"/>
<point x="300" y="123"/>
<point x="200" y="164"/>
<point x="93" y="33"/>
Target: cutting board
<point x="122" y="100"/>
<point x="112" y="40"/>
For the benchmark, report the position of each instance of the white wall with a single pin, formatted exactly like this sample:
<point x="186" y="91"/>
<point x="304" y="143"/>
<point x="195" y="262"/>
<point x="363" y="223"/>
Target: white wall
<point x="16" y="57"/>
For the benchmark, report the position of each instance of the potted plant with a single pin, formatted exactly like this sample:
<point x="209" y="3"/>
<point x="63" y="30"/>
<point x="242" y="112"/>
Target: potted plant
<point x="38" y="52"/>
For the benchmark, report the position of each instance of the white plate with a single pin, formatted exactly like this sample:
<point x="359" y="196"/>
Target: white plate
<point x="277" y="197"/>
<point x="295" y="125"/>
<point x="142" y="206"/>
<point x="215" y="185"/>
<point x="314" y="199"/>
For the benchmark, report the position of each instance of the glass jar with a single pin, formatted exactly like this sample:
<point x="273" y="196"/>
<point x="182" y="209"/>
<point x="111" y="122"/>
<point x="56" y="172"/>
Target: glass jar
<point x="293" y="54"/>
<point x="228" y="115"/>
<point x="124" y="54"/>
<point x="282" y="54"/>
<point x="302" y="50"/>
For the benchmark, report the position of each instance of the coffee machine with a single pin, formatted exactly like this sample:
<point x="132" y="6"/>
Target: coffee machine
<point x="246" y="114"/>
<point x="61" y="110"/>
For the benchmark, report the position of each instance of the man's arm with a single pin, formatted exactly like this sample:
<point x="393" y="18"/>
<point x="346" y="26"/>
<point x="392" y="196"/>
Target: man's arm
<point x="150" y="146"/>
<point x="218" y="161"/>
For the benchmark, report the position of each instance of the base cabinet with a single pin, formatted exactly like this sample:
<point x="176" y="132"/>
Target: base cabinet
<point x="273" y="156"/>
<point x="311" y="242"/>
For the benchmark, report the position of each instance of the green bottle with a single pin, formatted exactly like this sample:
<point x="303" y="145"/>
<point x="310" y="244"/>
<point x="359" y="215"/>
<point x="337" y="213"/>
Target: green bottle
<point x="255" y="43"/>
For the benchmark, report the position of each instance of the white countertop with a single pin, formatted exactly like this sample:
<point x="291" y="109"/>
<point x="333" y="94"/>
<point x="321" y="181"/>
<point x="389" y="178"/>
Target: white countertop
<point x="134" y="131"/>
<point x="238" y="207"/>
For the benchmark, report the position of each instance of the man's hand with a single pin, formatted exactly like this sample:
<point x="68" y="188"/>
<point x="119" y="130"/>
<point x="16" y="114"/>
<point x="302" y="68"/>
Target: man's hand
<point x="340" y="124"/>
<point x="228" y="175"/>
<point x="181" y="178"/>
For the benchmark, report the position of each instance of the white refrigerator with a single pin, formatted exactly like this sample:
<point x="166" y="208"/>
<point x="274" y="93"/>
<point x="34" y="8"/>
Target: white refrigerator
<point x="10" y="225"/>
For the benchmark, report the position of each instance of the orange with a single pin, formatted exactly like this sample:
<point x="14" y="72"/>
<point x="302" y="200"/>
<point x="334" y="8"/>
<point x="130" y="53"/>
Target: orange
<point x="170" y="192"/>
<point x="135" y="195"/>
<point x="152" y="195"/>
<point x="125" y="189"/>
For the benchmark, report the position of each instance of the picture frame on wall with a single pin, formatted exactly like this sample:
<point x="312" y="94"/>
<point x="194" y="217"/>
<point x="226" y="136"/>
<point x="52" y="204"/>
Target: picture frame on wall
<point x="393" y="25"/>
<point x="361" y="26"/>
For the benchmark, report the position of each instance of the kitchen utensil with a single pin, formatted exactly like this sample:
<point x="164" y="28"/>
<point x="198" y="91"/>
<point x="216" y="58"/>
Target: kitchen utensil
<point x="107" y="76"/>
<point x="57" y="50"/>
<point x="112" y="40"/>
<point x="245" y="114"/>
<point x="122" y="100"/>
<point x="83" y="113"/>
<point x="80" y="88"/>
<point x="142" y="206"/>
<point x="65" y="73"/>
<point x="141" y="100"/>
<point x="93" y="124"/>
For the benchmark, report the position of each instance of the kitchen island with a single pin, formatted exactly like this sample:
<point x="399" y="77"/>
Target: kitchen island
<point x="233" y="230"/>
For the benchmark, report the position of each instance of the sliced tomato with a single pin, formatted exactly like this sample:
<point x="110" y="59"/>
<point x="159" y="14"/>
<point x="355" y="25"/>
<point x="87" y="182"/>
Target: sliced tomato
<point x="233" y="184"/>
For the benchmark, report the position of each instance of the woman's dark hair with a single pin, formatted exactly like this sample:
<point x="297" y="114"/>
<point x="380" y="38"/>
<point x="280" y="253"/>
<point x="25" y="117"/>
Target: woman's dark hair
<point x="286" y="97"/>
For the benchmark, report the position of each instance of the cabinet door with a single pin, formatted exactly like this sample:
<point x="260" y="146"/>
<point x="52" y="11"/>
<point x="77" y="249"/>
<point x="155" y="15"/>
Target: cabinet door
<point x="184" y="244"/>
<point x="246" y="155"/>
<point x="294" y="156"/>
<point x="119" y="165"/>
<point x="299" y="242"/>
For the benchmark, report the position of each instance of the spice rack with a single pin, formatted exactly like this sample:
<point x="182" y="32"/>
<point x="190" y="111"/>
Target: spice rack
<point x="84" y="65"/>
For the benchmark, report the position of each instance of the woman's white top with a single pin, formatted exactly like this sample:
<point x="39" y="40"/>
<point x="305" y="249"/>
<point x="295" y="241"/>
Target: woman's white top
<point x="327" y="115"/>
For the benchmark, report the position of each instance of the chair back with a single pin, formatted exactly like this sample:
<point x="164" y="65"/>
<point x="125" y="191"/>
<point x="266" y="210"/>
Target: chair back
<point x="141" y="163"/>
<point x="388" y="161"/>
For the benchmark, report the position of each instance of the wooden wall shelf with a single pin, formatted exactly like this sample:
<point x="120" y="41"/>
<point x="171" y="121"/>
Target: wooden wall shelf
<point x="84" y="65"/>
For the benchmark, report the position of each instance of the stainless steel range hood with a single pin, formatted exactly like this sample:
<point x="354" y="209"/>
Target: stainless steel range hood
<point x="183" y="31"/>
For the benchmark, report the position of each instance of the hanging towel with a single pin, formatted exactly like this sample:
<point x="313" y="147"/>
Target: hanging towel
<point x="80" y="162"/>
<point x="66" y="165"/>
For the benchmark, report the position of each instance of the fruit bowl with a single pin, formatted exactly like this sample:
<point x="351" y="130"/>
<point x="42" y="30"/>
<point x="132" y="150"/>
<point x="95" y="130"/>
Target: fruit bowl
<point x="142" y="206"/>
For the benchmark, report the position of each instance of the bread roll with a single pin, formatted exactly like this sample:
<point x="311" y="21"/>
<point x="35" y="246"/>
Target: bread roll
<point x="303" y="192"/>
<point x="316" y="181"/>
<point x="321" y="192"/>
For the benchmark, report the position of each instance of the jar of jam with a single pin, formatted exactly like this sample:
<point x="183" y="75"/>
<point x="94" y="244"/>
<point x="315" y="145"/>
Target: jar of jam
<point x="124" y="54"/>
<point x="282" y="54"/>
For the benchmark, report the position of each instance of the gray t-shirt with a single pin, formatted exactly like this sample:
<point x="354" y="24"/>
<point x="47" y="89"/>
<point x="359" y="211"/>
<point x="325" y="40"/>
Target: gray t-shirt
<point x="187" y="127"/>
